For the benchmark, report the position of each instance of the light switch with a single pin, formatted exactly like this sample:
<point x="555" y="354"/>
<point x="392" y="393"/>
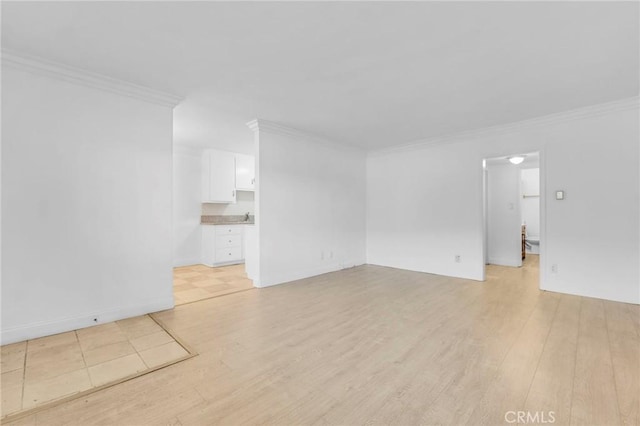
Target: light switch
<point x="559" y="195"/>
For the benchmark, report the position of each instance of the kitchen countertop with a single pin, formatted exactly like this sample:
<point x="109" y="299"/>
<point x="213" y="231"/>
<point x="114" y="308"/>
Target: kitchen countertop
<point x="226" y="220"/>
<point x="228" y="223"/>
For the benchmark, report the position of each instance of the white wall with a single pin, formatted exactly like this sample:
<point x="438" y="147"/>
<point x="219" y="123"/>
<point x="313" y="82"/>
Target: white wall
<point x="187" y="202"/>
<point x="310" y="208"/>
<point x="504" y="219"/>
<point x="86" y="197"/>
<point x="437" y="188"/>
<point x="530" y="185"/>
<point x="421" y="211"/>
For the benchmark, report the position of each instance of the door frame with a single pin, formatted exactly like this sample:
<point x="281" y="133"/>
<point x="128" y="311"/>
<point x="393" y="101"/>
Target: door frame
<point x="543" y="213"/>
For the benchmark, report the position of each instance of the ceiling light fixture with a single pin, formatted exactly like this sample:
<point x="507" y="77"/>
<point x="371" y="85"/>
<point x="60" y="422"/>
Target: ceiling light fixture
<point x="516" y="159"/>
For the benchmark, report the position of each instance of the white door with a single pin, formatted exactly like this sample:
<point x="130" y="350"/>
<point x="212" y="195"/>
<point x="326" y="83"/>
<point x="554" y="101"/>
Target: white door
<point x="504" y="235"/>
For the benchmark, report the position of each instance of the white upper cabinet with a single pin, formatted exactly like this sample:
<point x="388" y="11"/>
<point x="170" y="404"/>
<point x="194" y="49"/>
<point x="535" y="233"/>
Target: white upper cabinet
<point x="218" y="177"/>
<point x="245" y="172"/>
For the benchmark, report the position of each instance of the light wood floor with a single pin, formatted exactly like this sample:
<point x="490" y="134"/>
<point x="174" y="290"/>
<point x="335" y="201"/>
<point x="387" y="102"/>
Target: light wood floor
<point x="374" y="345"/>
<point x="199" y="282"/>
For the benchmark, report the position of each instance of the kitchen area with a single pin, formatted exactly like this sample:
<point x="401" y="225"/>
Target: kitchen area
<point x="214" y="218"/>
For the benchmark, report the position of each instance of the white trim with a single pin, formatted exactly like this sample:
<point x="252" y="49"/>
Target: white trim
<point x="546" y="120"/>
<point x="178" y="263"/>
<point x="469" y="277"/>
<point x="217" y="264"/>
<point x="260" y="125"/>
<point x="505" y="262"/>
<point x="253" y="125"/>
<point x="47" y="328"/>
<point x="543" y="278"/>
<point x="591" y="294"/>
<point x="285" y="277"/>
<point x="86" y="78"/>
<point x="484" y="219"/>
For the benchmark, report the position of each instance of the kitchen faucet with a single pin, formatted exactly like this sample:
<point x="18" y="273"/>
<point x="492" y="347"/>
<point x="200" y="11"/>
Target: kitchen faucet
<point x="246" y="217"/>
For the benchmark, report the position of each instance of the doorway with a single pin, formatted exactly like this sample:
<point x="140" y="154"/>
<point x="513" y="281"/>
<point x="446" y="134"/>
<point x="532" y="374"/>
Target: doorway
<point x="512" y="196"/>
<point x="209" y="230"/>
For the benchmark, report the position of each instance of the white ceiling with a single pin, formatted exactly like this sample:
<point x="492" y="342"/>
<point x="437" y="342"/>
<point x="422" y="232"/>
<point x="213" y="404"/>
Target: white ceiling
<point x="371" y="74"/>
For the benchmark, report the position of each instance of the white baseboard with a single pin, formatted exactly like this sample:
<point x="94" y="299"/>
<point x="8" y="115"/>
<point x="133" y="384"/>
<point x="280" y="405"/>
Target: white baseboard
<point x="443" y="273"/>
<point x="215" y="265"/>
<point x="505" y="262"/>
<point x="47" y="328"/>
<point x="186" y="262"/>
<point x="288" y="276"/>
<point x="561" y="289"/>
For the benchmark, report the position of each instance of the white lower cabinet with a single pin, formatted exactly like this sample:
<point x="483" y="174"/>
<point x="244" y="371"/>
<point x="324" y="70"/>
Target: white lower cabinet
<point x="222" y="244"/>
<point x="228" y="254"/>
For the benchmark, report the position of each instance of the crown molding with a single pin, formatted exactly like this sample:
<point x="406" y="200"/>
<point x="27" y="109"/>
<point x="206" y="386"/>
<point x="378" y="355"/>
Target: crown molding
<point x="254" y="125"/>
<point x="86" y="78"/>
<point x="518" y="126"/>
<point x="260" y="125"/>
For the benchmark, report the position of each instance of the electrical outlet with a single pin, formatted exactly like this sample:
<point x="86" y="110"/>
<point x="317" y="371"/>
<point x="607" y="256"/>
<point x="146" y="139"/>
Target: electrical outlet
<point x="554" y="268"/>
<point x="458" y="258"/>
<point x="322" y="255"/>
<point x="331" y="254"/>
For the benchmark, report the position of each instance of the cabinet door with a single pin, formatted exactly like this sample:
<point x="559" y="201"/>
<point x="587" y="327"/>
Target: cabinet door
<point x="222" y="177"/>
<point x="245" y="172"/>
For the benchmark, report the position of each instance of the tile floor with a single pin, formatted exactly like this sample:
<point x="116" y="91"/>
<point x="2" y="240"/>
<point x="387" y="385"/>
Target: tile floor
<point x="199" y="282"/>
<point x="40" y="371"/>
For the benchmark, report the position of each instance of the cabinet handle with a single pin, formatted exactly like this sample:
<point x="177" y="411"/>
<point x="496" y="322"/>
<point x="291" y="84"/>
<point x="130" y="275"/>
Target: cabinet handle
<point x="233" y="193"/>
<point x="253" y="181"/>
